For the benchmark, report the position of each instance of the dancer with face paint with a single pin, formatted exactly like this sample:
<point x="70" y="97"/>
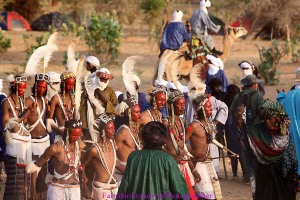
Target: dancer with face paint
<point x="157" y="103"/>
<point x="67" y="169"/>
<point x="127" y="136"/>
<point x="18" y="139"/>
<point x="62" y="105"/>
<point x="102" y="155"/>
<point x="175" y="143"/>
<point x="199" y="132"/>
<point x="37" y="105"/>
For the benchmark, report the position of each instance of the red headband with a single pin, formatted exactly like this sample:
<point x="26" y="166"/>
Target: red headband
<point x="105" y="75"/>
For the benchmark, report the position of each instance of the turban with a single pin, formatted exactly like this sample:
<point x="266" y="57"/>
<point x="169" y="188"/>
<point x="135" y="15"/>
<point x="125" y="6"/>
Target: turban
<point x="53" y="77"/>
<point x="93" y="60"/>
<point x="177" y="16"/>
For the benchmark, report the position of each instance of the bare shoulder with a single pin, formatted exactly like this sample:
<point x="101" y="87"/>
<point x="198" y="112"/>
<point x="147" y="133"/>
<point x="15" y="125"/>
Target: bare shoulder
<point x="54" y="98"/>
<point x="82" y="145"/>
<point x="122" y="131"/>
<point x="194" y="125"/>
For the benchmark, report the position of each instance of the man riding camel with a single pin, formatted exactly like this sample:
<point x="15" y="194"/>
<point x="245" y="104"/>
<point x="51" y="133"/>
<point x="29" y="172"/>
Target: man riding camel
<point x="200" y="23"/>
<point x="175" y="33"/>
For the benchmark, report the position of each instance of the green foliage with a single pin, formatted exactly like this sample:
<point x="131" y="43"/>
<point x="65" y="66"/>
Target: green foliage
<point x="153" y="10"/>
<point x="295" y="45"/>
<point x="104" y="35"/>
<point x="31" y="47"/>
<point x="73" y="30"/>
<point x="4" y="42"/>
<point x="270" y="58"/>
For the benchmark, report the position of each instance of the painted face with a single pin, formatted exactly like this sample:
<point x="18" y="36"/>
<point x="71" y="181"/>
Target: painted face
<point x="135" y="113"/>
<point x="179" y="106"/>
<point x="160" y="99"/>
<point x="109" y="130"/>
<point x="69" y="84"/>
<point x="74" y="134"/>
<point x="41" y="88"/>
<point x="208" y="108"/>
<point x="271" y="124"/>
<point x="21" y="88"/>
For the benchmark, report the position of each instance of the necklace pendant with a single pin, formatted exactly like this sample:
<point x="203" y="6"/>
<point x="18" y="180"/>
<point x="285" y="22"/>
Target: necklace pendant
<point x="34" y="105"/>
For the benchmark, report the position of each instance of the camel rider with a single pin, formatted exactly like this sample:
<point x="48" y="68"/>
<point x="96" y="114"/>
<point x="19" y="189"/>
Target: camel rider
<point x="200" y="22"/>
<point x="175" y="33"/>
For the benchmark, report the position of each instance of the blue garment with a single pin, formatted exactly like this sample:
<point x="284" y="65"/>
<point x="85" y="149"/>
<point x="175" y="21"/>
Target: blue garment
<point x="220" y="75"/>
<point x="291" y="104"/>
<point x="174" y="35"/>
<point x="143" y="102"/>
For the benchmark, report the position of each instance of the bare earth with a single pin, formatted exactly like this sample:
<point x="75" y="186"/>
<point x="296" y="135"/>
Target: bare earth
<point x="242" y="50"/>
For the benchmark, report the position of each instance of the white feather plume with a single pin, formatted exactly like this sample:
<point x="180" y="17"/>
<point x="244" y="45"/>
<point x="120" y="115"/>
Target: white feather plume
<point x="72" y="62"/>
<point x="51" y="45"/>
<point x="91" y="96"/>
<point x="78" y="85"/>
<point x="1" y="85"/>
<point x="195" y="77"/>
<point x="43" y="52"/>
<point x="129" y="74"/>
<point x="10" y="78"/>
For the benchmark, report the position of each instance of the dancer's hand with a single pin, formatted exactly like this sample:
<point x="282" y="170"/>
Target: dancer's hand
<point x="197" y="176"/>
<point x="86" y="191"/>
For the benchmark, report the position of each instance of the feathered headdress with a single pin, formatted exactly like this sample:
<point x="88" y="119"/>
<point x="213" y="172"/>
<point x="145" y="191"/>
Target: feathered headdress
<point x="72" y="63"/>
<point x="43" y="53"/>
<point x="1" y="85"/>
<point x="130" y="75"/>
<point x="78" y="85"/>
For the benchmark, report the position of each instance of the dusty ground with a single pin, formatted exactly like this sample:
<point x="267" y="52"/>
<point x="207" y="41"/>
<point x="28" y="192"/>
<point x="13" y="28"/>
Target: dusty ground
<point x="242" y="50"/>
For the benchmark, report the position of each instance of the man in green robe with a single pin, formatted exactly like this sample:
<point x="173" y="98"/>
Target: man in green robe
<point x="151" y="173"/>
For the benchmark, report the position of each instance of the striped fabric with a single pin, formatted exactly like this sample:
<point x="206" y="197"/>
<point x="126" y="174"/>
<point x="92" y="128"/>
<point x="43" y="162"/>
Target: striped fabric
<point x="15" y="184"/>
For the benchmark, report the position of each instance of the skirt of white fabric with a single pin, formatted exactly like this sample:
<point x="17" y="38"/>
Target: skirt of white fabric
<point x="103" y="191"/>
<point x="63" y="192"/>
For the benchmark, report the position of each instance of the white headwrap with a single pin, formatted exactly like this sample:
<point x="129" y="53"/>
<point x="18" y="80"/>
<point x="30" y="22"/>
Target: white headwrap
<point x="246" y="68"/>
<point x="177" y="16"/>
<point x="204" y="4"/>
<point x="217" y="64"/>
<point x="93" y="60"/>
<point x="181" y="87"/>
<point x="53" y="89"/>
<point x="54" y="77"/>
<point x="102" y="85"/>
